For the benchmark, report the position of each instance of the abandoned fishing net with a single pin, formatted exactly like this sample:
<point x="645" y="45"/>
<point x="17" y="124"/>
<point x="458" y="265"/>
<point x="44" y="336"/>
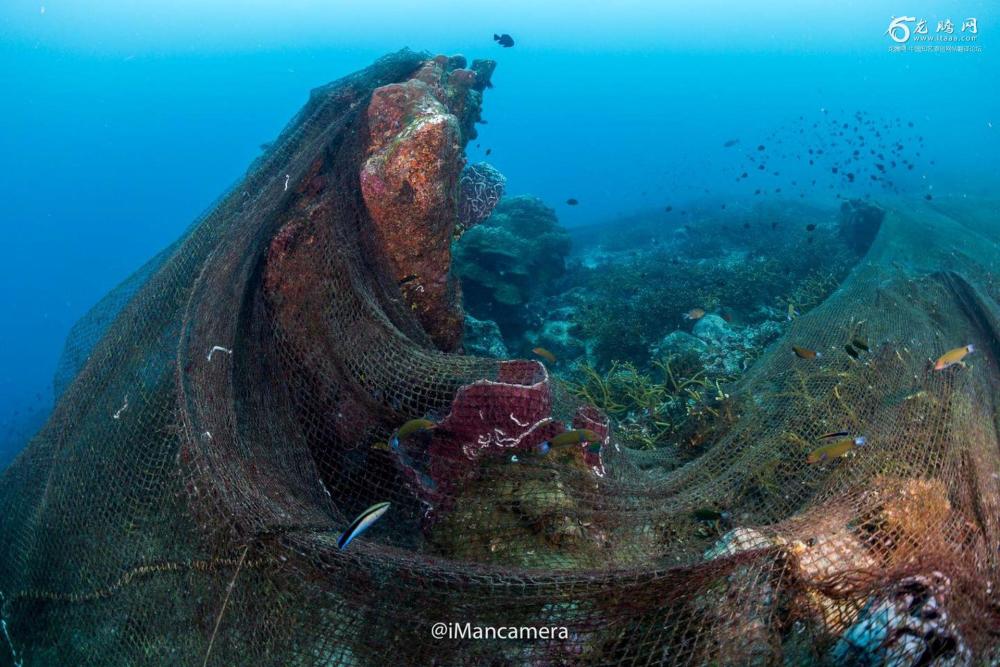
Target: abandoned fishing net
<point x="224" y="416"/>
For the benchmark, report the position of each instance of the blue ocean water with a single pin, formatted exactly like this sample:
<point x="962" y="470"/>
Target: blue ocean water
<point x="123" y="121"/>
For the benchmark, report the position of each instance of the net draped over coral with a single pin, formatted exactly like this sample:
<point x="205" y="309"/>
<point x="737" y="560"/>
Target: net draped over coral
<point x="218" y="414"/>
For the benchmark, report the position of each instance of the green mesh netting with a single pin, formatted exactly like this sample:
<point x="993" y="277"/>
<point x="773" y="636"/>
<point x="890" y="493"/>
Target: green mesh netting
<point x="183" y="503"/>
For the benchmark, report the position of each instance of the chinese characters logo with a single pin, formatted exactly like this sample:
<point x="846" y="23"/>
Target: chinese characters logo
<point x="912" y="34"/>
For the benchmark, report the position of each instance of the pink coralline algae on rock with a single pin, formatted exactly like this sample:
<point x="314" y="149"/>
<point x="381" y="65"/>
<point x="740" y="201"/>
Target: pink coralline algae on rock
<point x="480" y="188"/>
<point x="409" y="181"/>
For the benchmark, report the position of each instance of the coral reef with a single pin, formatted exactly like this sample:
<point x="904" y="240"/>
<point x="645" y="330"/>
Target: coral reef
<point x="409" y="181"/>
<point x="510" y="259"/>
<point x="482" y="338"/>
<point x="631" y="287"/>
<point x="723" y="348"/>
<point x="557" y="333"/>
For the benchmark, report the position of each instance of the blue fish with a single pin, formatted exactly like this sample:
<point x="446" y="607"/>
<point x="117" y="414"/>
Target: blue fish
<point x="362" y="523"/>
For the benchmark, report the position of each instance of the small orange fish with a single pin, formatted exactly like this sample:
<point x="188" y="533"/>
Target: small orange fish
<point x="835" y="449"/>
<point x="694" y="314"/>
<point x="952" y="357"/>
<point x="805" y="352"/>
<point x="545" y="354"/>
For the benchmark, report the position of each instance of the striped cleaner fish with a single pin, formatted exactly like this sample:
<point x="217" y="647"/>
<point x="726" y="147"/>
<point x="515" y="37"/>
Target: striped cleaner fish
<point x="835" y="449"/>
<point x="952" y="357"/>
<point x="362" y="523"/>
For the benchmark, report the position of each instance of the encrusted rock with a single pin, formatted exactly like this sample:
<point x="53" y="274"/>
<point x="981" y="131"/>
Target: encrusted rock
<point x="680" y="343"/>
<point x="409" y="181"/>
<point x="835" y="551"/>
<point x="737" y="541"/>
<point x="742" y="622"/>
<point x="713" y="330"/>
<point x="904" y="514"/>
<point x="721" y="348"/>
<point x="908" y="625"/>
<point x="556" y="336"/>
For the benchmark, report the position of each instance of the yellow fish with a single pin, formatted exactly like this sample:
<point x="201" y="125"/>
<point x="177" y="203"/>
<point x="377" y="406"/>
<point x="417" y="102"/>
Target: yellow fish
<point x="409" y="428"/>
<point x="792" y="313"/>
<point x="575" y="436"/>
<point x="545" y="354"/>
<point x="952" y="357"/>
<point x="694" y="314"/>
<point x="835" y="449"/>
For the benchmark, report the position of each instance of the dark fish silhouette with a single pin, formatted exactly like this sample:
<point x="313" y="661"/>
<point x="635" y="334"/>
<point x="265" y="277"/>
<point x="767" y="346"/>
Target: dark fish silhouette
<point x="504" y="40"/>
<point x="730" y="143"/>
<point x="572" y="202"/>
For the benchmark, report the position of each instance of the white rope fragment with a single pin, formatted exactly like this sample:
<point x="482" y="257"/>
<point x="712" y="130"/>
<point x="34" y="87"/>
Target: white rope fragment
<point x="120" y="410"/>
<point x="514" y="419"/>
<point x="218" y="348"/>
<point x="18" y="662"/>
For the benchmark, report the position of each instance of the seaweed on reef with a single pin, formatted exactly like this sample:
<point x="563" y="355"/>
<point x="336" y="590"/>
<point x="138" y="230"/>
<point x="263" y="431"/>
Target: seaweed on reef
<point x="648" y="411"/>
<point x="811" y="290"/>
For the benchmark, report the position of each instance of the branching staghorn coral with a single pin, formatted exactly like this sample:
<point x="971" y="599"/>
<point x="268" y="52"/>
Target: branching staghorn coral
<point x="811" y="291"/>
<point x="644" y="409"/>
